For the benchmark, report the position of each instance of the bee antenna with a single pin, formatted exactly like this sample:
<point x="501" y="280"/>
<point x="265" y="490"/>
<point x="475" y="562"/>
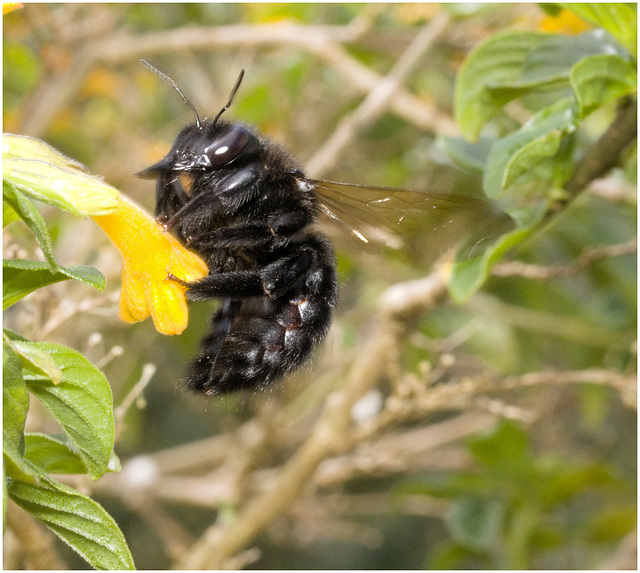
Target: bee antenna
<point x="233" y="94"/>
<point x="174" y="85"/>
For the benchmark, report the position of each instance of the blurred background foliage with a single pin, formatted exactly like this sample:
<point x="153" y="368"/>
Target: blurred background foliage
<point x="554" y="487"/>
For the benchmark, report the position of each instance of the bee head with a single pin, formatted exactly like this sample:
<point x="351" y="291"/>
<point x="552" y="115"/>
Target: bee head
<point x="204" y="146"/>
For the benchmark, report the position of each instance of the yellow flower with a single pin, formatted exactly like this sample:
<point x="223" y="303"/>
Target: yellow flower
<point x="149" y="255"/>
<point x="564" y="22"/>
<point x="10" y="7"/>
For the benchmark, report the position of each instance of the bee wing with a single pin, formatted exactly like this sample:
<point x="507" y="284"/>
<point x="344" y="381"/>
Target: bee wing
<point x="397" y="218"/>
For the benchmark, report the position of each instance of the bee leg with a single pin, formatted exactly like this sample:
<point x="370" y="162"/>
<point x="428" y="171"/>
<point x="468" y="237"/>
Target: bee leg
<point x="274" y="280"/>
<point x="175" y="279"/>
<point x="169" y="197"/>
<point x="205" y="204"/>
<point x="279" y="276"/>
<point x="233" y="284"/>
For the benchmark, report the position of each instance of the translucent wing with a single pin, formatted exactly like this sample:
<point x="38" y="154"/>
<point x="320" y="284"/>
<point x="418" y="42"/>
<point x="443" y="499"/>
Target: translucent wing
<point x="414" y="220"/>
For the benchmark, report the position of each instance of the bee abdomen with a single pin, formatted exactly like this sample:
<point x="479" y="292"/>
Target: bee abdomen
<point x="259" y="350"/>
<point x="266" y="338"/>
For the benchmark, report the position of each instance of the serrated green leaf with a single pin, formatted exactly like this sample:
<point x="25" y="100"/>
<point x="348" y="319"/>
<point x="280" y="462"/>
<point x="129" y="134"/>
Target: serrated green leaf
<point x="511" y="64"/>
<point x="469" y="275"/>
<point x="11" y="335"/>
<point x="36" y="359"/>
<point x="56" y="455"/>
<point x="52" y="455"/>
<point x="15" y="466"/>
<point x="76" y="519"/>
<point x="521" y="153"/>
<point x="597" y="80"/>
<point x="620" y="20"/>
<point x="15" y="405"/>
<point x="15" y="398"/>
<point x="81" y="404"/>
<point x="22" y="277"/>
<point x="34" y="221"/>
<point x="43" y="173"/>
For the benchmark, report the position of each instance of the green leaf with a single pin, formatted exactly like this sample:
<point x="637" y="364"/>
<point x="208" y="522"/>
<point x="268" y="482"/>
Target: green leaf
<point x="448" y="556"/>
<point x="76" y="519"/>
<point x="15" y="405"/>
<point x="468" y="155"/>
<point x="476" y="523"/>
<point x="22" y="277"/>
<point x="523" y="155"/>
<point x="81" y="403"/>
<point x="15" y="466"/>
<point x="597" y="80"/>
<point x="610" y="524"/>
<point x="563" y="481"/>
<point x="469" y="275"/>
<point x="56" y="455"/>
<point x="11" y="335"/>
<point x="52" y="455"/>
<point x="15" y="398"/>
<point x="26" y="210"/>
<point x="620" y="20"/>
<point x="454" y="486"/>
<point x="511" y="64"/>
<point x="43" y="173"/>
<point x="506" y="450"/>
<point x="8" y="214"/>
<point x="36" y="359"/>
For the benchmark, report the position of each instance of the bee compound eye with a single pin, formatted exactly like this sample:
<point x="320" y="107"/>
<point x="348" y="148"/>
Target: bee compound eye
<point x="227" y="147"/>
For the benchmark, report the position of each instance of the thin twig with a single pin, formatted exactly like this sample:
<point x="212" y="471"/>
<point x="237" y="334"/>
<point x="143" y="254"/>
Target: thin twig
<point x="325" y="42"/>
<point x="378" y="99"/>
<point x="415" y="110"/>
<point x="148" y="370"/>
<point x="547" y="272"/>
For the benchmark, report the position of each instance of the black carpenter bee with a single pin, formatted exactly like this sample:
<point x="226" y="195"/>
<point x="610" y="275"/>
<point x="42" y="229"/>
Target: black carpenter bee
<point x="243" y="204"/>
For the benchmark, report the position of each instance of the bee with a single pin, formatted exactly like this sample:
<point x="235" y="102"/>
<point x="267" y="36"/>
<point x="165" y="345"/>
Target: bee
<point x="244" y="205"/>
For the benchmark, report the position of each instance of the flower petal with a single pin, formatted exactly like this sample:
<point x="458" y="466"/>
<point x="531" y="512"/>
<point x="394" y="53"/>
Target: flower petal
<point x="149" y="255"/>
<point x="169" y="311"/>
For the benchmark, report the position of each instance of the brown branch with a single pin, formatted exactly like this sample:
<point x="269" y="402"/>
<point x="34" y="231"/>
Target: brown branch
<point x="413" y="109"/>
<point x="546" y="272"/>
<point x="378" y="99"/>
<point x="605" y="153"/>
<point x="626" y="384"/>
<point x="462" y="394"/>
<point x="324" y="42"/>
<point x="218" y="544"/>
